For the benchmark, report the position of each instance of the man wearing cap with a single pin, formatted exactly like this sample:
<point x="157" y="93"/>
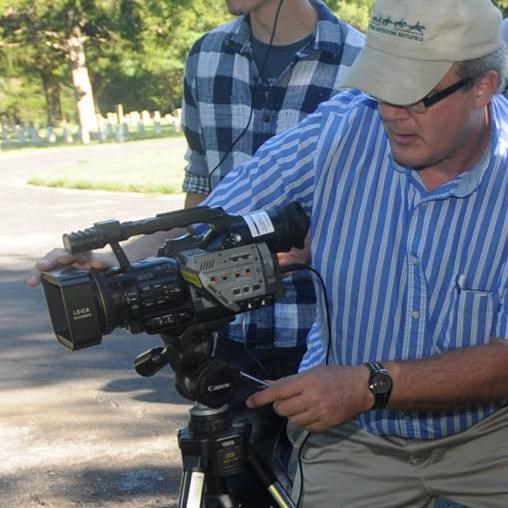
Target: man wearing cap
<point x="404" y="388"/>
<point x="402" y="395"/>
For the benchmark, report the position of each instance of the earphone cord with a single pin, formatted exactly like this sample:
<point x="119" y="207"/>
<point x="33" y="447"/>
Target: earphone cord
<point x="328" y="353"/>
<point x="259" y="79"/>
<point x="327" y="358"/>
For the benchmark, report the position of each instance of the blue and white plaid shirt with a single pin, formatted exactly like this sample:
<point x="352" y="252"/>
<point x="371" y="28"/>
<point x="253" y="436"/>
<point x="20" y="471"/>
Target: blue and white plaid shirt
<point x="409" y="273"/>
<point x="220" y="77"/>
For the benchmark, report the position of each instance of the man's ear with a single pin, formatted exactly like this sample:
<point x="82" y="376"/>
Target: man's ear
<point x="486" y="88"/>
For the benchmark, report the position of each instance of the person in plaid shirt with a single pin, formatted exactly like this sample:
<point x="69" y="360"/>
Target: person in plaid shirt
<point x="246" y="81"/>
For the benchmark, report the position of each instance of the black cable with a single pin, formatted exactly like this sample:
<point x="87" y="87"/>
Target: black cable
<point x="291" y="268"/>
<point x="300" y="469"/>
<point x="251" y="353"/>
<point x="259" y="79"/>
<point x="297" y="266"/>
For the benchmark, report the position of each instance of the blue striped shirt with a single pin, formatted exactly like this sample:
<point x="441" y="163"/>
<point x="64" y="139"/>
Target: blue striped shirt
<point x="221" y="87"/>
<point x="408" y="273"/>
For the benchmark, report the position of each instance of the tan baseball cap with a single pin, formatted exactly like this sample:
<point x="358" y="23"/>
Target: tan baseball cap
<point x="411" y="45"/>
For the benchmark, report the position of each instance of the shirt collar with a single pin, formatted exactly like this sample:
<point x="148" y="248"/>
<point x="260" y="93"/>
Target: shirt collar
<point x="329" y="32"/>
<point x="328" y="36"/>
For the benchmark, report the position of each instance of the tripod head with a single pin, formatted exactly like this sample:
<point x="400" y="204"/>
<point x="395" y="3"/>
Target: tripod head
<point x="198" y="376"/>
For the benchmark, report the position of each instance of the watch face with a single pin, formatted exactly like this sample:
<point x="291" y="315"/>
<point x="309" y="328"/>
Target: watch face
<point x="381" y="383"/>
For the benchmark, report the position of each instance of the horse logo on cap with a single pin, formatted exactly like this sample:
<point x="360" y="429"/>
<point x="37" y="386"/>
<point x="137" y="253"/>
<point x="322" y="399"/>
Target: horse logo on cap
<point x="400" y="28"/>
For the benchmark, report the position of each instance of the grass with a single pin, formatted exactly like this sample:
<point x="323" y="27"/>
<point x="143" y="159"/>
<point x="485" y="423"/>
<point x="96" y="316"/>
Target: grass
<point x="149" y="170"/>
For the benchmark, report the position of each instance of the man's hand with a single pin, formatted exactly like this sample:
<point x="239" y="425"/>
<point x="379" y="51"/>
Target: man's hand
<point x="138" y="248"/>
<point x="319" y="398"/>
<point x="58" y="258"/>
<point x="295" y="256"/>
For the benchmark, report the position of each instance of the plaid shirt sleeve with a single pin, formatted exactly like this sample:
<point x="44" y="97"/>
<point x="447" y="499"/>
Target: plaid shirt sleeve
<point x="196" y="174"/>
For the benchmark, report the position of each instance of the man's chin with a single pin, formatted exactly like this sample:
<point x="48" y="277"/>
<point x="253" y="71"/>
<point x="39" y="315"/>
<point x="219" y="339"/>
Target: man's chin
<point x="407" y="157"/>
<point x="235" y="11"/>
<point x="403" y="159"/>
<point x="410" y="162"/>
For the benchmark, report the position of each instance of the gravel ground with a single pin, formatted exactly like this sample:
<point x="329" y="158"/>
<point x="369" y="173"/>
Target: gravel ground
<point x="76" y="429"/>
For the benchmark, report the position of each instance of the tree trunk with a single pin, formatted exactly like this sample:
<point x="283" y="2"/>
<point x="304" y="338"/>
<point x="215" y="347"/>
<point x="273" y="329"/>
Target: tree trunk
<point x="82" y="85"/>
<point x="52" y="94"/>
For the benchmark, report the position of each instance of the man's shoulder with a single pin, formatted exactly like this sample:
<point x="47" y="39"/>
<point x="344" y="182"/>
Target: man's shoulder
<point x="353" y="36"/>
<point x="213" y="41"/>
<point x="347" y="119"/>
<point x="334" y="32"/>
<point x="348" y="101"/>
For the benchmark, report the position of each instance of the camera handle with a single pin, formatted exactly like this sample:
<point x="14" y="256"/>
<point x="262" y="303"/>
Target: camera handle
<point x="112" y="231"/>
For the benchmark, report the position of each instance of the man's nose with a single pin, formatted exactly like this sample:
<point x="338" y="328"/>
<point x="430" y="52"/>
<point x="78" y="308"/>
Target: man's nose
<point x="392" y="111"/>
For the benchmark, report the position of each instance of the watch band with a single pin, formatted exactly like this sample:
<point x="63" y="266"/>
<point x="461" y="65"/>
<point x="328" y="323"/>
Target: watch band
<point x="380" y="384"/>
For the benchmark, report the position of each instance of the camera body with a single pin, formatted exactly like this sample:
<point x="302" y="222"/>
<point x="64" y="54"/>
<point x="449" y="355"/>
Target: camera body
<point x="194" y="280"/>
<point x="160" y="294"/>
<point x="195" y="285"/>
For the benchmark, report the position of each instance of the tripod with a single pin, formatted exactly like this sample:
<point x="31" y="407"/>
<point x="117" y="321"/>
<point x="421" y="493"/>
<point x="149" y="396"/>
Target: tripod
<point x="212" y="450"/>
<point x="212" y="447"/>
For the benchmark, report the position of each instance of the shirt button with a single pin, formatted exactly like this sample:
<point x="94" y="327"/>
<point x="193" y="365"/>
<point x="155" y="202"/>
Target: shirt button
<point x="415" y="314"/>
<point x="414" y="260"/>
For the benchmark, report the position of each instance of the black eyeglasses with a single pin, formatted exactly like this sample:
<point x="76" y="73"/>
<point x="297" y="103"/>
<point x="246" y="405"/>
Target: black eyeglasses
<point x="422" y="105"/>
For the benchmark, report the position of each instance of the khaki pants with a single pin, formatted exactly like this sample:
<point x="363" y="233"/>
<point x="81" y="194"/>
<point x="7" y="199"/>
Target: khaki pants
<point x="347" y="467"/>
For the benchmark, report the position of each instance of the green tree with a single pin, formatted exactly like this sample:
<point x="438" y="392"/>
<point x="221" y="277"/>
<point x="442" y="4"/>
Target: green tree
<point x="50" y="37"/>
<point x="128" y="51"/>
<point x="355" y="12"/>
<point x="149" y="74"/>
<point x="27" y="51"/>
<point x="503" y="5"/>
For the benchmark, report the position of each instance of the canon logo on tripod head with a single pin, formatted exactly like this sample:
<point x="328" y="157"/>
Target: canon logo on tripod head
<point x="216" y="388"/>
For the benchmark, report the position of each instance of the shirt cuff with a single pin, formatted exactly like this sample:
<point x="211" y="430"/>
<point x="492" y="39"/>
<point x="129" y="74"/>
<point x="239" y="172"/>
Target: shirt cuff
<point x="195" y="183"/>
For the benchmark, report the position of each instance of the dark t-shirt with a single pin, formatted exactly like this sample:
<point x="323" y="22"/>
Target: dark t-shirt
<point x="279" y="57"/>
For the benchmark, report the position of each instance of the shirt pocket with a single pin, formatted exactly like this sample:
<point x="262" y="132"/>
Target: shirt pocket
<point x="470" y="320"/>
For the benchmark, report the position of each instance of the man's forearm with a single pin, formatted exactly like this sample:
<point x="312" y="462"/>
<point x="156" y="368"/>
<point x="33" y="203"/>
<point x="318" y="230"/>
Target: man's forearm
<point x="453" y="380"/>
<point x="322" y="397"/>
<point x="193" y="199"/>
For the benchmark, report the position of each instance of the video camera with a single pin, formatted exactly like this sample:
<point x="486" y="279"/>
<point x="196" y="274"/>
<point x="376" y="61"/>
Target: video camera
<point x="195" y="285"/>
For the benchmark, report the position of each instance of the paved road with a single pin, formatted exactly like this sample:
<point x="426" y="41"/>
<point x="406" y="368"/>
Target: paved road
<point x="76" y="429"/>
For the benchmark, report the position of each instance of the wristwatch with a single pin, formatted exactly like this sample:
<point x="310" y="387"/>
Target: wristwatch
<point x="380" y="384"/>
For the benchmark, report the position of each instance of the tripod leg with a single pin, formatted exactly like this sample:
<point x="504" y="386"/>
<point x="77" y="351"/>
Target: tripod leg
<point x="216" y="493"/>
<point x="269" y="481"/>
<point x="192" y="484"/>
<point x="200" y="490"/>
